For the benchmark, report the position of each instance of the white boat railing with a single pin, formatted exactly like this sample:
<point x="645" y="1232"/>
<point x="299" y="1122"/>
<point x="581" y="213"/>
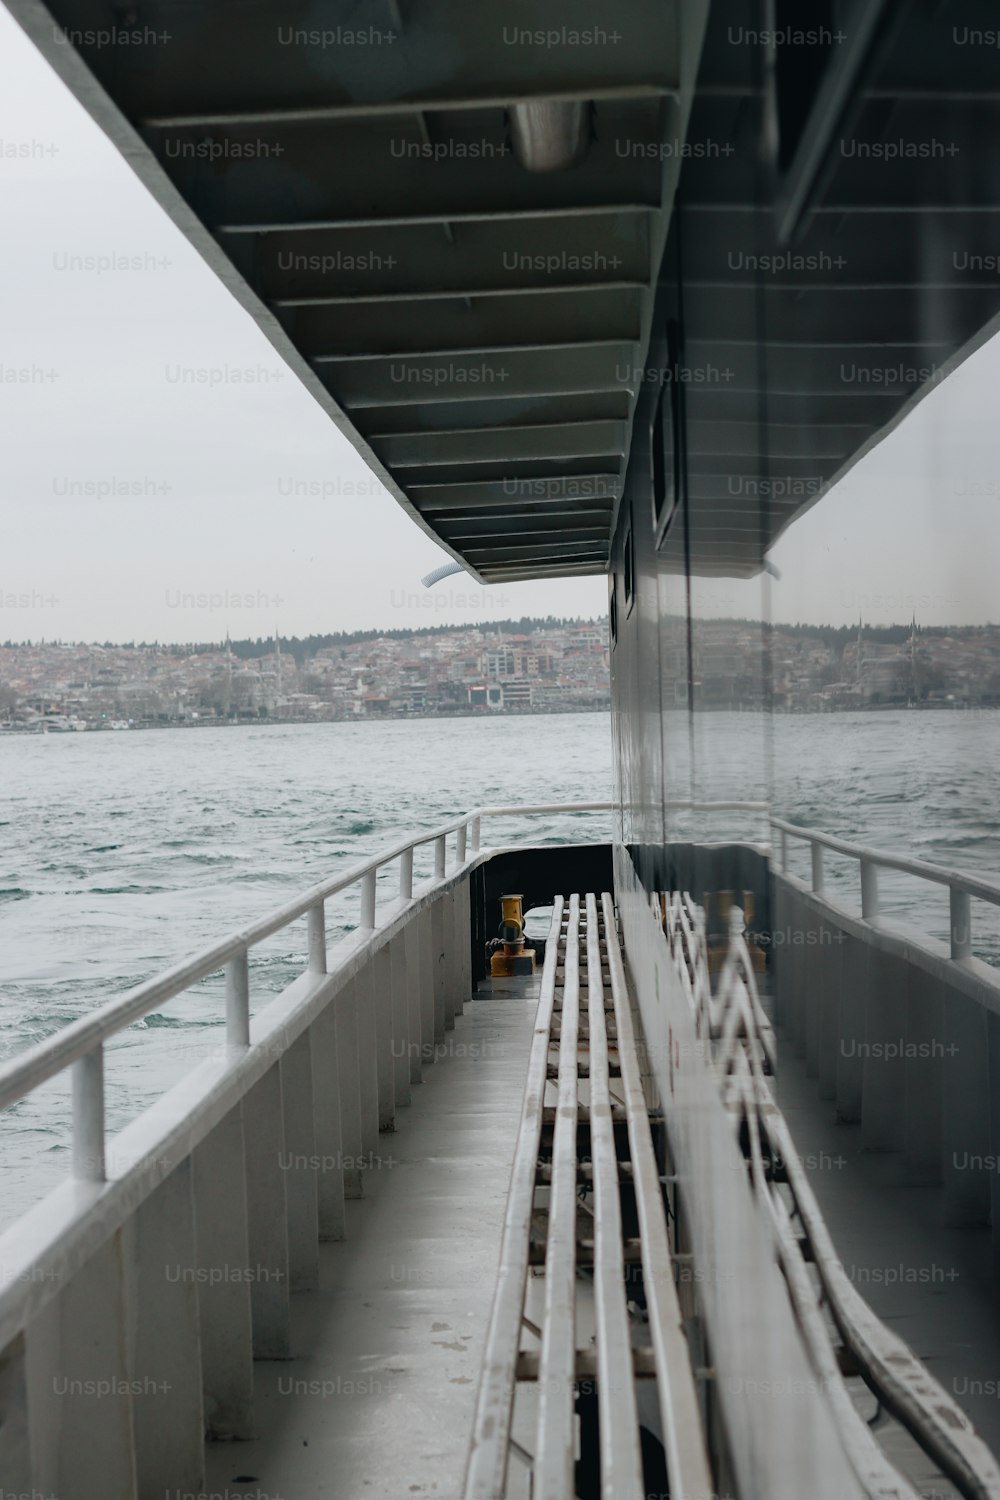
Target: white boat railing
<point x="961" y="885"/>
<point x="80" y="1045"/>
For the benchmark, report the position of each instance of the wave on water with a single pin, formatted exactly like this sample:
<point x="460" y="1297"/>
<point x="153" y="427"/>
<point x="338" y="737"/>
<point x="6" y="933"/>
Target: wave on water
<point x="157" y="1021"/>
<point x="125" y="890"/>
<point x="206" y="858"/>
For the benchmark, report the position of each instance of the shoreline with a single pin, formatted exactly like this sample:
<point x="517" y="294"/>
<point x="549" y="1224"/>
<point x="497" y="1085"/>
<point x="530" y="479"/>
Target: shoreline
<point x="489" y="715"/>
<point x="483" y="714"/>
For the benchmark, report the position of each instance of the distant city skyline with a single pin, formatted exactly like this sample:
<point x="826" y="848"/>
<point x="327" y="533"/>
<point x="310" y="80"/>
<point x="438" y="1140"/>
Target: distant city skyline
<point x="553" y="667"/>
<point x="156" y="450"/>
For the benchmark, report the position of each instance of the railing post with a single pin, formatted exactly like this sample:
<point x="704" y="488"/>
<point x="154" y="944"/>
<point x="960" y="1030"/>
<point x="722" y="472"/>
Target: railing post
<point x="368" y="900"/>
<point x="439" y="857"/>
<point x="316" y="933"/>
<point x="817" y="867"/>
<point x="869" y="890"/>
<point x="406" y="874"/>
<point x="784" y="852"/>
<point x="238" y="1000"/>
<point x="88" y="1117"/>
<point x="961" y="923"/>
<point x="476" y="833"/>
<point x="460" y="843"/>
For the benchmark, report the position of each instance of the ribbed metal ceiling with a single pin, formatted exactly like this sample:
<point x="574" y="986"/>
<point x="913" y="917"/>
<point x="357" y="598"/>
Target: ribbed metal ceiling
<point x="449" y="219"/>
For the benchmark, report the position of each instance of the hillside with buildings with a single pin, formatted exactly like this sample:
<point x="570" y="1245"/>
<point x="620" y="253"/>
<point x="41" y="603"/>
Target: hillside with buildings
<point x="509" y="667"/>
<point x="817" y="669"/>
<point x="554" y="666"/>
<point x="932" y="667"/>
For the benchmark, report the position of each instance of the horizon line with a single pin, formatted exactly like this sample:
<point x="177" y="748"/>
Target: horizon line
<point x="536" y="623"/>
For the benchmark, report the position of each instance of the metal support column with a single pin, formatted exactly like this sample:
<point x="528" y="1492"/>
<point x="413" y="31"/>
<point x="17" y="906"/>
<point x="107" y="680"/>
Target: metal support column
<point x="15" y="1445"/>
<point x="399" y="990"/>
<point x="349" y="1087"/>
<point x="444" y="1007"/>
<point x="884" y="1066"/>
<point x="162" y="1299"/>
<point x="299" y="1166"/>
<point x="326" y="1124"/>
<point x="924" y="1078"/>
<point x="381" y="967"/>
<point x="413" y="954"/>
<point x="364" y="990"/>
<point x="851" y="1032"/>
<point x="428" y="1024"/>
<point x="267" y="1217"/>
<point x="966" y="1113"/>
<point x="82" y="1441"/>
<point x="224" y="1317"/>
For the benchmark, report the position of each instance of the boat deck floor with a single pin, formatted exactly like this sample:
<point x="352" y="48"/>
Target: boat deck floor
<point x="379" y="1399"/>
<point x="929" y="1283"/>
<point x="378" y="1402"/>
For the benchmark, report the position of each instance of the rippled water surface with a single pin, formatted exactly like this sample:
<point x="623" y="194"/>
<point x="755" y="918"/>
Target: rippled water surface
<point x="121" y="853"/>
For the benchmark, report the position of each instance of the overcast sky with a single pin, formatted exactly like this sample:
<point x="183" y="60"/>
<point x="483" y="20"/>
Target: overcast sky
<point x="247" y="490"/>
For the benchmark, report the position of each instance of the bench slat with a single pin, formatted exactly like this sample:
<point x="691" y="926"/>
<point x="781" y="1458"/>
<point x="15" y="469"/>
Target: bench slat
<point x="487" y="1471"/>
<point x="556" y="1439"/>
<point x="683" y="1442"/>
<point x="621" y="1463"/>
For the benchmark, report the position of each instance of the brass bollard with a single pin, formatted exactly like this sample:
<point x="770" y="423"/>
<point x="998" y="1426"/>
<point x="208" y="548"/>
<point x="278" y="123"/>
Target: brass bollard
<point x="511" y="956"/>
